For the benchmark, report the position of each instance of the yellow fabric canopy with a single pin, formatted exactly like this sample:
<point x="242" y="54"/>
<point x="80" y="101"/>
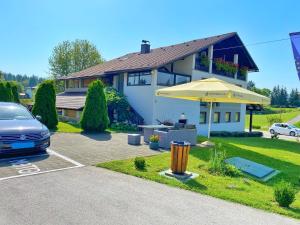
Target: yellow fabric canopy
<point x="213" y="90"/>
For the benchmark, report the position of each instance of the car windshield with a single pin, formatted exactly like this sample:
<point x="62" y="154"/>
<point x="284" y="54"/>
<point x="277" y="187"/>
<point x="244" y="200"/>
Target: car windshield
<point x="14" y="112"/>
<point x="292" y="126"/>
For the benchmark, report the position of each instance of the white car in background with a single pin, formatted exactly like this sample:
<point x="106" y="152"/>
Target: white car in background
<point x="285" y="129"/>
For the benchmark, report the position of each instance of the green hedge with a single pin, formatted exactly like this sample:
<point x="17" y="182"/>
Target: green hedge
<point x="44" y="104"/>
<point x="6" y="94"/>
<point x="95" y="116"/>
<point x="236" y="134"/>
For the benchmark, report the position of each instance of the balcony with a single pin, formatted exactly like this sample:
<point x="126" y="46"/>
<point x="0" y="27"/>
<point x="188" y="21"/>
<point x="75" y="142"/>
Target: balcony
<point x="221" y="67"/>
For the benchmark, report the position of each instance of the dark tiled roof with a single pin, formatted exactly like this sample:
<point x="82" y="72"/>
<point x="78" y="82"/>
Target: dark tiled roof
<point x="70" y="100"/>
<point x="156" y="58"/>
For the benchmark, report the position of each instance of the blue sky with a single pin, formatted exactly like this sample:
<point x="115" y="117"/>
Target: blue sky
<point x="31" y="28"/>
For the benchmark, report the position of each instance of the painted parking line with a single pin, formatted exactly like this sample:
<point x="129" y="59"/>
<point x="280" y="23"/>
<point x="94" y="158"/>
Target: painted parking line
<point x="35" y="164"/>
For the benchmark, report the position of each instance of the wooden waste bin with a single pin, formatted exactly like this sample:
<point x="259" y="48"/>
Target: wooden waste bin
<point x="179" y="156"/>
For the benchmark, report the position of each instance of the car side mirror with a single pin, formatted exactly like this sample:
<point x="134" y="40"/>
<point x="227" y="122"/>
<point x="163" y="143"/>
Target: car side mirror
<point x="38" y="117"/>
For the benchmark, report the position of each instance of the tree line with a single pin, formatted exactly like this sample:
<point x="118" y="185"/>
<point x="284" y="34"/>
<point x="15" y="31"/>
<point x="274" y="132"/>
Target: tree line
<point x="280" y="97"/>
<point x="9" y="91"/>
<point x="23" y="81"/>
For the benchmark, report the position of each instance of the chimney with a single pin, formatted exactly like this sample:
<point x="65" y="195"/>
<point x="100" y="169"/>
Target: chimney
<point x="145" y="47"/>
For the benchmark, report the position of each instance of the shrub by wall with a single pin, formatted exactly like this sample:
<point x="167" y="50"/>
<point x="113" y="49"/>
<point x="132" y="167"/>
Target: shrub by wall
<point x="44" y="104"/>
<point x="95" y="116"/>
<point x="236" y="134"/>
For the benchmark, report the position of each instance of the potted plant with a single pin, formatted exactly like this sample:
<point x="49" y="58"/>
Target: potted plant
<point x="154" y="139"/>
<point x="243" y="71"/>
<point x="228" y="68"/>
<point x="204" y="61"/>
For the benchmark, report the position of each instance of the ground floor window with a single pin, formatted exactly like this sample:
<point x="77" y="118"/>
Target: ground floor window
<point x="70" y="113"/>
<point x="227" y="117"/>
<point x="139" y="78"/>
<point x="217" y="117"/>
<point x="72" y="83"/>
<point x="237" y="117"/>
<point x="202" y="117"/>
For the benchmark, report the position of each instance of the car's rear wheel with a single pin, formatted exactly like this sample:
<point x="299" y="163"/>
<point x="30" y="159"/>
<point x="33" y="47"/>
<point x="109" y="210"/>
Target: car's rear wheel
<point x="292" y="133"/>
<point x="272" y="131"/>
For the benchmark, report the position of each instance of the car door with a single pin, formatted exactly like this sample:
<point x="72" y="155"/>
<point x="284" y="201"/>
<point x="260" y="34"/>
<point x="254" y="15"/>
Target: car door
<point x="285" y="129"/>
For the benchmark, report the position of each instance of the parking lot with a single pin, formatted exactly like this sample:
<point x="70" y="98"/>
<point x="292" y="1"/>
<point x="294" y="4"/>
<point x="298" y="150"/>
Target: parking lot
<point x="35" y="164"/>
<point x="68" y="151"/>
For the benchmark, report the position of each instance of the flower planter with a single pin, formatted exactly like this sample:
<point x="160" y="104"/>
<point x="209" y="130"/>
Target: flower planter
<point x="153" y="145"/>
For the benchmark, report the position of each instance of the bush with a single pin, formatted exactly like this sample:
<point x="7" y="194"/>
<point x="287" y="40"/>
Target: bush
<point x="256" y="127"/>
<point x="232" y="171"/>
<point x="216" y="163"/>
<point x="5" y="92"/>
<point x="274" y="119"/>
<point x="119" y="109"/>
<point x="218" y="166"/>
<point x="117" y="104"/>
<point x="284" y="194"/>
<point x="15" y="92"/>
<point x="123" y="127"/>
<point x="94" y="116"/>
<point x="44" y="104"/>
<point x="236" y="134"/>
<point x="140" y="163"/>
<point x="10" y="97"/>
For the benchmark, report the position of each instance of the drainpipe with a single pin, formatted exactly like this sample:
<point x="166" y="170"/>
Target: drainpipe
<point x="236" y="61"/>
<point x="210" y="57"/>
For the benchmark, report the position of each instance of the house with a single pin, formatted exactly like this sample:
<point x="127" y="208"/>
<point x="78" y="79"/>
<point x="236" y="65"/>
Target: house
<point x="139" y="74"/>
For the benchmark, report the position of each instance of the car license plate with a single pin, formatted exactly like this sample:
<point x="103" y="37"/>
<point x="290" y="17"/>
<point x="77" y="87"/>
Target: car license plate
<point x="27" y="144"/>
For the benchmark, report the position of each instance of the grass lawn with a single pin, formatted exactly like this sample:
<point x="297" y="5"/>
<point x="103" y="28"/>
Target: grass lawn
<point x="68" y="128"/>
<point x="262" y="120"/>
<point x="279" y="154"/>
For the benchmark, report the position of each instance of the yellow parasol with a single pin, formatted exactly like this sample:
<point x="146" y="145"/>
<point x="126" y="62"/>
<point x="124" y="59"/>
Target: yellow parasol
<point x="213" y="90"/>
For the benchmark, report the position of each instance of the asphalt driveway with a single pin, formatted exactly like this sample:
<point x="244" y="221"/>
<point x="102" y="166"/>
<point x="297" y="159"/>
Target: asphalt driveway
<point x="94" y="148"/>
<point x="91" y="195"/>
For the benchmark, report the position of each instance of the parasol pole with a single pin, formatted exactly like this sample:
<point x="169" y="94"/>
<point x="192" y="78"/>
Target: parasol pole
<point x="209" y="120"/>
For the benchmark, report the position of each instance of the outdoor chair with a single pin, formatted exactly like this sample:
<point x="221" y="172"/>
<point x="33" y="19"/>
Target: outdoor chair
<point x="165" y="137"/>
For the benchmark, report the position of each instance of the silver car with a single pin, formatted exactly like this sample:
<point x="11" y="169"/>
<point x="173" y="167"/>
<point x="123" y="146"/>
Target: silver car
<point x="20" y="131"/>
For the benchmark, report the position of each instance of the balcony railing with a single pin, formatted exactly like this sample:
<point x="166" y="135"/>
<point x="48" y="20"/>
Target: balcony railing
<point x="239" y="75"/>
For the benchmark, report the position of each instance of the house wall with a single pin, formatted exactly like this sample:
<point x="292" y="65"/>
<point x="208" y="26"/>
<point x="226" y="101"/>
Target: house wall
<point x="141" y="97"/>
<point x="170" y="109"/>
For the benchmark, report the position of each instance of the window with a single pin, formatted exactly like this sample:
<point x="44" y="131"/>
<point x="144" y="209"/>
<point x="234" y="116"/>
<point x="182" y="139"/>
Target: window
<point x="201" y="61"/>
<point x="202" y="117"/>
<point x="227" y="117"/>
<point x="217" y="117"/>
<point x="72" y="83"/>
<point x="170" y="79"/>
<point x="86" y="82"/>
<point x="237" y="117"/>
<point x="139" y="78"/>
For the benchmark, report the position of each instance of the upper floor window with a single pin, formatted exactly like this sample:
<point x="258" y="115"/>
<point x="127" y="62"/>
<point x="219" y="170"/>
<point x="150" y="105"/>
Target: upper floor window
<point x="139" y="78"/>
<point x="170" y="79"/>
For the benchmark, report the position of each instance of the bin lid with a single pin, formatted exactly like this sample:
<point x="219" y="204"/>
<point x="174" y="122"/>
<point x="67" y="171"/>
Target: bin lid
<point x="180" y="143"/>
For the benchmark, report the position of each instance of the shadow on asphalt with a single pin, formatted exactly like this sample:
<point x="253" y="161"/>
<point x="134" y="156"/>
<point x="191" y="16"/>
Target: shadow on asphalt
<point x="106" y="136"/>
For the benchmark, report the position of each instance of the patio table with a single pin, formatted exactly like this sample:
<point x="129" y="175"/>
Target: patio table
<point x="148" y="130"/>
